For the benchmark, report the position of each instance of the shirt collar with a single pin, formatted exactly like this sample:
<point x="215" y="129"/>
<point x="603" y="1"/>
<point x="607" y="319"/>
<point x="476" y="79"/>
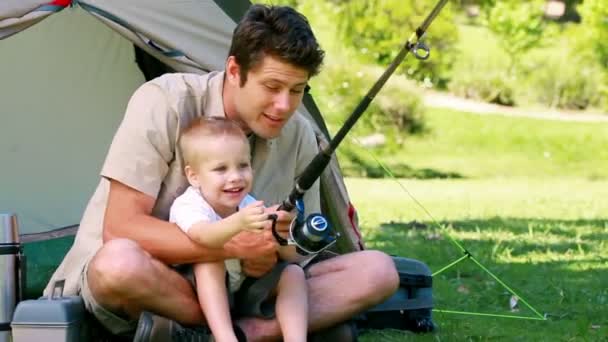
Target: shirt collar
<point x="214" y="105"/>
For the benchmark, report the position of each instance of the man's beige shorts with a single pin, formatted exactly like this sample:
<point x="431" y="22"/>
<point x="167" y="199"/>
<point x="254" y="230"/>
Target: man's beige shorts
<point x="114" y="323"/>
<point x="118" y="325"/>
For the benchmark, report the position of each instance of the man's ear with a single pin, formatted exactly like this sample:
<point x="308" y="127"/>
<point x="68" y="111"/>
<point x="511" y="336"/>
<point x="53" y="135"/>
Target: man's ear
<point x="192" y="176"/>
<point x="233" y="71"/>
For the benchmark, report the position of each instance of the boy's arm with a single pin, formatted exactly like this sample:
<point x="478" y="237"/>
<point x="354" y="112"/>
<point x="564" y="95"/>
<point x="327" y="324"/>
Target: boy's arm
<point x="129" y="215"/>
<point x="216" y="234"/>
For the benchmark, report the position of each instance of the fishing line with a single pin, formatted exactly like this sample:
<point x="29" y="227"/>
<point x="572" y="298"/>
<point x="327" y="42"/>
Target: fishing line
<point x="467" y="254"/>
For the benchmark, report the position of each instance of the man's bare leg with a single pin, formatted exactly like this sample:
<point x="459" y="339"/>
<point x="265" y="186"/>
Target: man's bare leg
<point x="338" y="288"/>
<point x="124" y="278"/>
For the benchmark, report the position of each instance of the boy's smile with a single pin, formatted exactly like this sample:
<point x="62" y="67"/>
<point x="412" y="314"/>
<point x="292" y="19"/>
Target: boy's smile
<point x="224" y="174"/>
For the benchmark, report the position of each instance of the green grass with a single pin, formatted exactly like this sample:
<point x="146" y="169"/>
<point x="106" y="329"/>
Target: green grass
<point x="479" y="146"/>
<point x="540" y="223"/>
<point x="546" y="241"/>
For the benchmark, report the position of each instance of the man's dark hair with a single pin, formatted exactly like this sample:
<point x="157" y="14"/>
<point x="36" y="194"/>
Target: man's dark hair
<point x="277" y="31"/>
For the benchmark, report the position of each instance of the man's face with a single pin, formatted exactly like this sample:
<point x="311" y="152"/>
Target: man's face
<point x="224" y="175"/>
<point x="269" y="97"/>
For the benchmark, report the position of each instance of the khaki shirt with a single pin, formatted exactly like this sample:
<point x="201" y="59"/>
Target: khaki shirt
<point x="145" y="156"/>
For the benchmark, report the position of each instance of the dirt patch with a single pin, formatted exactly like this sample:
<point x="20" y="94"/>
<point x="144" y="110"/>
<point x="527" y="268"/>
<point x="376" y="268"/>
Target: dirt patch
<point x="442" y="100"/>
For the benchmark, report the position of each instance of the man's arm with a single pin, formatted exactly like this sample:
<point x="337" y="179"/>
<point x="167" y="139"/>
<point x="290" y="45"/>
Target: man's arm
<point x="128" y="215"/>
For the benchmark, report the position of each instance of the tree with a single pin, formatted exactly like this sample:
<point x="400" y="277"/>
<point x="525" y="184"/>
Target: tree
<point x="519" y="26"/>
<point x="378" y="29"/>
<point x="595" y="20"/>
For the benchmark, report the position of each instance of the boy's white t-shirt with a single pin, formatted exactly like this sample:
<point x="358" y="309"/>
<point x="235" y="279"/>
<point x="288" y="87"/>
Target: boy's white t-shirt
<point x="190" y="208"/>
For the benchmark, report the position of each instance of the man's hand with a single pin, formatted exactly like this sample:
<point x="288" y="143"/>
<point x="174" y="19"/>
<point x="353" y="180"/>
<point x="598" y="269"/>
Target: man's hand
<point x="251" y="245"/>
<point x="258" y="252"/>
<point x="259" y="266"/>
<point x="284" y="219"/>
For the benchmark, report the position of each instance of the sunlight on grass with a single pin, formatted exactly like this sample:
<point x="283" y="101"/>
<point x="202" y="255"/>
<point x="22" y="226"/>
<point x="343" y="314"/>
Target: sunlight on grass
<point x="542" y="237"/>
<point x="480" y="146"/>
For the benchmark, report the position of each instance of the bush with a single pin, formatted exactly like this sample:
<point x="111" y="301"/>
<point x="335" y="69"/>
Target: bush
<point x="566" y="75"/>
<point x="396" y="111"/>
<point x="595" y="19"/>
<point x="576" y="86"/>
<point x="377" y="29"/>
<point x="481" y="69"/>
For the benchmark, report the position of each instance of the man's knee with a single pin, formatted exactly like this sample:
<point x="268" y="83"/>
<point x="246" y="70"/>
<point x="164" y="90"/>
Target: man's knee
<point x="380" y="273"/>
<point x="293" y="273"/>
<point x="116" y="267"/>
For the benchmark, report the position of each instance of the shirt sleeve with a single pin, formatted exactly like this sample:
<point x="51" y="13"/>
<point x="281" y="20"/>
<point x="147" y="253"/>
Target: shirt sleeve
<point x="247" y="201"/>
<point x="144" y="143"/>
<point x="188" y="210"/>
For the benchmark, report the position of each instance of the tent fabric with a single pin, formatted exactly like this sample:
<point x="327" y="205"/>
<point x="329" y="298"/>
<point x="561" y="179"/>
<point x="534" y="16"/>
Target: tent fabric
<point x="186" y="36"/>
<point x="64" y="86"/>
<point x="17" y="15"/>
<point x="184" y="42"/>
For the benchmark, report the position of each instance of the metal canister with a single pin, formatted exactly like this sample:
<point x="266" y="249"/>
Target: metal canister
<point x="10" y="250"/>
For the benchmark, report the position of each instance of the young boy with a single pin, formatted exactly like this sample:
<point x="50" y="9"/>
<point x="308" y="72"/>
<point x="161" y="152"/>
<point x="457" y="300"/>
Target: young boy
<point x="216" y="207"/>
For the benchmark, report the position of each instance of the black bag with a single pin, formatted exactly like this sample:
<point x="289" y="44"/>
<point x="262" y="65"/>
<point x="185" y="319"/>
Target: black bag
<point x="410" y="307"/>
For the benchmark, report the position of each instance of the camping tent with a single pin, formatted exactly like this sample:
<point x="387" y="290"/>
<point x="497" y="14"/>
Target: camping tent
<point x="64" y="85"/>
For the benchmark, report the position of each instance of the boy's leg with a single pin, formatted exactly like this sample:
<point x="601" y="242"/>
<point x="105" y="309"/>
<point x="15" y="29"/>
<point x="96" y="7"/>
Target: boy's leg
<point x="213" y="297"/>
<point x="292" y="304"/>
<point x="338" y="289"/>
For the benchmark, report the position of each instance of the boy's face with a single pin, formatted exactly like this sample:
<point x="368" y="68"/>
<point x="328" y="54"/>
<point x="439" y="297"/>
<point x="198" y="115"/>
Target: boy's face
<point x="224" y="173"/>
<point x="269" y="97"/>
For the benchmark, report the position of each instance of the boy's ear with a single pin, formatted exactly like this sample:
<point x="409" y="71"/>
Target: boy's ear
<point x="192" y="176"/>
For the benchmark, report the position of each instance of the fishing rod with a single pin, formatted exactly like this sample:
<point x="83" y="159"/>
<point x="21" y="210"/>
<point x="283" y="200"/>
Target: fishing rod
<point x="305" y="233"/>
<point x="317" y="165"/>
<point x="312" y="234"/>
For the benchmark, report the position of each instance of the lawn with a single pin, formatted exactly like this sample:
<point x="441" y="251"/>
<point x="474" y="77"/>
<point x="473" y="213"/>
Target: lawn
<point x="531" y="205"/>
<point x="462" y="145"/>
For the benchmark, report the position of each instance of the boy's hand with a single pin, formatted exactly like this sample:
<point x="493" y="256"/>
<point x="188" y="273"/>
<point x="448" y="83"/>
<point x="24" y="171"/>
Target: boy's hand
<point x="253" y="217"/>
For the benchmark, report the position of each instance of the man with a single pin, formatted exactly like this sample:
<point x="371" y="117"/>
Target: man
<point x="121" y="258"/>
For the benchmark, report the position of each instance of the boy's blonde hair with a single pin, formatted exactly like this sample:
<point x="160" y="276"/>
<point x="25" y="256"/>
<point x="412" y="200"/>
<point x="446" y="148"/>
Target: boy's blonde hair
<point x="192" y="139"/>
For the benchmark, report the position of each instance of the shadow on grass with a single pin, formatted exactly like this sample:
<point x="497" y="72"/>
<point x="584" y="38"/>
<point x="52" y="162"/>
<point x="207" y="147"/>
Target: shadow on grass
<point x="359" y="166"/>
<point x="542" y="260"/>
<point x="522" y="234"/>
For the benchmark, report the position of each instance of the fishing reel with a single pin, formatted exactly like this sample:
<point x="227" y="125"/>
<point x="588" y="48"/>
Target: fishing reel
<point x="310" y="235"/>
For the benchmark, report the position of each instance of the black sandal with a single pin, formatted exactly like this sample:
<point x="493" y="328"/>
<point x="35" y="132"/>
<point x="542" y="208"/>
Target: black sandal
<point x="342" y="332"/>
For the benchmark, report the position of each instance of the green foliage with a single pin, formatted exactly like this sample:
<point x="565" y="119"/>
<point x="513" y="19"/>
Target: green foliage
<point x="377" y="30"/>
<point x="595" y="19"/>
<point x="396" y="113"/>
<point x="397" y="110"/>
<point x="481" y="73"/>
<point x="577" y="85"/>
<point x="510" y="57"/>
<point x="594" y="32"/>
<point x="519" y="26"/>
<point x="483" y="79"/>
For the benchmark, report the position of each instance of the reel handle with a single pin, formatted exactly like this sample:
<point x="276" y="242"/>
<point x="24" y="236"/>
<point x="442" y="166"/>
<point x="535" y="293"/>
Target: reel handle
<point x="281" y="240"/>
